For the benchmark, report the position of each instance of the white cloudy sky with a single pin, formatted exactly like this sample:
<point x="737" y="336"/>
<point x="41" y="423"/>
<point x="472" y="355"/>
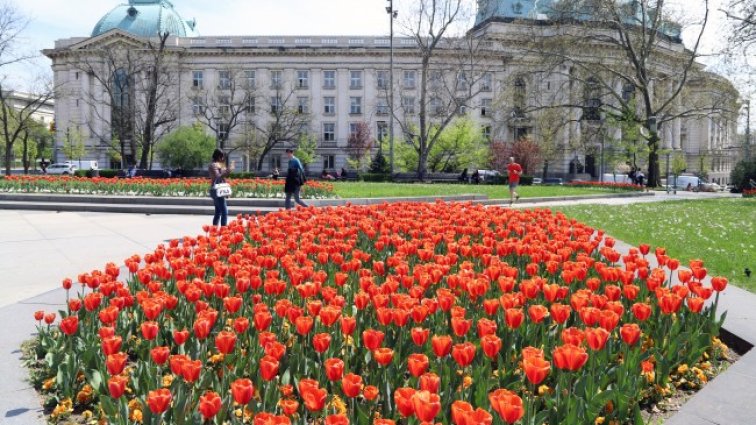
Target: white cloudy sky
<point x="54" y="19"/>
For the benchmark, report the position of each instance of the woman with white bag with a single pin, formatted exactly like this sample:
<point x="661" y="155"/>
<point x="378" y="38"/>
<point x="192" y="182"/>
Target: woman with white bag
<point x="219" y="189"/>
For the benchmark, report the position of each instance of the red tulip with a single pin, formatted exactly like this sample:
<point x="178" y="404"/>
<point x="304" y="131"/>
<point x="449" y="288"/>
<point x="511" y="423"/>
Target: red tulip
<point x="262" y="320"/>
<point x="115" y="363"/>
<point x="303" y="324"/>
<point x="417" y="364"/>
<point x="383" y="356"/>
<point x="507" y="404"/>
<point x="348" y="324"/>
<point x="202" y="328"/>
<point x="149" y="330"/>
<point x="268" y="368"/>
<point x="570" y="357"/>
<point x="560" y="312"/>
<point x="514" y="317"/>
<point x="117" y="386"/>
<point x="351" y="385"/>
<point x="719" y="283"/>
<point x="241" y="324"/>
<point x="441" y="345"/>
<point x="337" y="419"/>
<point x="111" y="345"/>
<point x="459" y="409"/>
<point x="190" y="370"/>
<point x="275" y="349"/>
<point x="403" y="401"/>
<point x="477" y="417"/>
<point x="536" y="369"/>
<point x="225" y="342"/>
<point x="210" y="404"/>
<point x="670" y="303"/>
<point x="695" y="304"/>
<point x="420" y="336"/>
<point x="463" y="353"/>
<point x="321" y="342"/>
<point x="180" y="337"/>
<point x="460" y="325"/>
<point x="372" y="339"/>
<point x="630" y="333"/>
<point x="491" y="345"/>
<point x="289" y="406"/>
<point x="160" y="354"/>
<point x="334" y="369"/>
<point x="426" y="405"/>
<point x="159" y="400"/>
<point x="69" y="325"/>
<point x="537" y="313"/>
<point x="370" y="392"/>
<point x="314" y="399"/>
<point x="596" y="338"/>
<point x="242" y="390"/>
<point x="641" y="311"/>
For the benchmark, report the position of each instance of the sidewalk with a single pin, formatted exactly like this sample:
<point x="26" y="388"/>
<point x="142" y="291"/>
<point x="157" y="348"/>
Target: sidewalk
<point x="39" y="249"/>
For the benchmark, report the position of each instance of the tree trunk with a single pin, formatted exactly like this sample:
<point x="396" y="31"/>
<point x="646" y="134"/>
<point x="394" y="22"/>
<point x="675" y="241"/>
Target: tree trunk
<point x="25" y="155"/>
<point x="545" y="169"/>
<point x="8" y="157"/>
<point x="653" y="161"/>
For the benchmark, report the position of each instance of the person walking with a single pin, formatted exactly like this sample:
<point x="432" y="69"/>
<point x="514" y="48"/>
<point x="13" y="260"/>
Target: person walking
<point x="515" y="171"/>
<point x="218" y="173"/>
<point x="295" y="178"/>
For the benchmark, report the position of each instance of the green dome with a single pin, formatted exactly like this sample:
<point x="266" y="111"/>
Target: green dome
<point x="146" y="18"/>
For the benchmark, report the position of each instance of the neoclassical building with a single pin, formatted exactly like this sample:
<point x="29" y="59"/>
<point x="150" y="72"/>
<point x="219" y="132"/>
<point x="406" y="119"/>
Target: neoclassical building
<point x="249" y="89"/>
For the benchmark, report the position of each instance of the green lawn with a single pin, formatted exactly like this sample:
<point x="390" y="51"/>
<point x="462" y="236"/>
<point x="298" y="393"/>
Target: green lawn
<point x="722" y="232"/>
<point x="385" y="190"/>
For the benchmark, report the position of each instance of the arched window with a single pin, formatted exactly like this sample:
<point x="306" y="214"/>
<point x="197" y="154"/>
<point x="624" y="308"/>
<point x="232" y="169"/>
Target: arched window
<point x="519" y="97"/>
<point x="592" y="100"/>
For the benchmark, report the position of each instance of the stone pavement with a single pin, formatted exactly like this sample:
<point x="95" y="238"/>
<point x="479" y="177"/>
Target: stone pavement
<point x="39" y="249"/>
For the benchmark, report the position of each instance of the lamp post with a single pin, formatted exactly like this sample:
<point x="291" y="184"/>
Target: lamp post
<point x="748" y="130"/>
<point x="392" y="15"/>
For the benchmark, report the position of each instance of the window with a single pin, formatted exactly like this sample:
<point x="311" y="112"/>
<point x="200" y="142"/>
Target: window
<point x="77" y="75"/>
<point x="303" y="79"/>
<point x="251" y="107"/>
<point x="462" y="81"/>
<point x="275" y="105"/>
<point x="275" y="161"/>
<point x="592" y="100"/>
<point x="224" y="80"/>
<point x="408" y="104"/>
<point x="354" y="129"/>
<point x="383" y="130"/>
<point x="197" y="79"/>
<point x="250" y="77"/>
<point x="486" y="131"/>
<point x="77" y="103"/>
<point x="329" y="79"/>
<point x="436" y="106"/>
<point x="329" y="105"/>
<point x="485" y="108"/>
<point x="520" y="93"/>
<point x="355" y="105"/>
<point x="198" y="106"/>
<point x="382" y="107"/>
<point x="486" y="82"/>
<point x="224" y="105"/>
<point x="329" y="132"/>
<point x="355" y="79"/>
<point x="303" y="105"/>
<point x="462" y="107"/>
<point x="409" y="79"/>
<point x="329" y="162"/>
<point x="436" y="78"/>
<point x="222" y="131"/>
<point x="382" y="79"/>
<point x="276" y="79"/>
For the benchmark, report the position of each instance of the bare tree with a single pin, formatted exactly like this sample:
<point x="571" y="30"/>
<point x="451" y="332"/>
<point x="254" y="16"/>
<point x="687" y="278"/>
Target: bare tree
<point x="622" y="59"/>
<point x="284" y="122"/>
<point x="131" y="95"/>
<point x="223" y="107"/>
<point x="359" y="144"/>
<point x="17" y="117"/>
<point x="12" y="24"/>
<point x="449" y="70"/>
<point x="743" y="14"/>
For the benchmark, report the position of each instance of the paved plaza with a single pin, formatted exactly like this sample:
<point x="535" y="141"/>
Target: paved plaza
<point x="39" y="249"/>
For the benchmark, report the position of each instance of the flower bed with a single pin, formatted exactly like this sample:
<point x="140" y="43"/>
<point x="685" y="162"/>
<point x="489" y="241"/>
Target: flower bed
<point x="630" y="187"/>
<point x="437" y="312"/>
<point x="749" y="193"/>
<point x="197" y="187"/>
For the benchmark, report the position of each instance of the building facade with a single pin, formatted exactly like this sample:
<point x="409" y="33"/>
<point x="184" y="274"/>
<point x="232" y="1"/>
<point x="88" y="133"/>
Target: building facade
<point x="249" y="89"/>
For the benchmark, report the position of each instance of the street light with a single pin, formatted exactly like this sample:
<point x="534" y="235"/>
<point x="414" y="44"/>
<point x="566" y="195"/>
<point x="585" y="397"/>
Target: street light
<point x="748" y="130"/>
<point x="392" y="15"/>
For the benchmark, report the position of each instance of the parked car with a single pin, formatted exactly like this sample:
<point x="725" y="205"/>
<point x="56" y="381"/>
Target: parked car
<point x="62" y="169"/>
<point x="711" y="187"/>
<point x="617" y="178"/>
<point x="553" y="181"/>
<point x="684" y="182"/>
<point x="487" y="176"/>
<point x="537" y="180"/>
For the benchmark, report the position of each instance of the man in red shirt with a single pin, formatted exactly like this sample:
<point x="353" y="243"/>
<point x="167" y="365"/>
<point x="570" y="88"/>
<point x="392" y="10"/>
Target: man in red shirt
<point x="515" y="170"/>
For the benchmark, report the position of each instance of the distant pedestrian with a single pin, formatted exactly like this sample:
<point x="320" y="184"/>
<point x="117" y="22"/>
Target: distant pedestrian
<point x="276" y="174"/>
<point x="218" y="173"/>
<point x="640" y="178"/>
<point x="295" y="178"/>
<point x="515" y="171"/>
<point x="475" y="178"/>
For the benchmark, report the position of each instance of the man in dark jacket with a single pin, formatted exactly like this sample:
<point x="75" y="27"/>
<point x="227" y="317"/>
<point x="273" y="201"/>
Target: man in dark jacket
<point x="295" y="178"/>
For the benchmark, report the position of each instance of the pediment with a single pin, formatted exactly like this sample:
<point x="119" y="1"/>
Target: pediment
<point x="111" y="39"/>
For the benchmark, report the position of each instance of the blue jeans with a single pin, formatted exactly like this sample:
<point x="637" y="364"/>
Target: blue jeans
<point x="221" y="209"/>
<point x="295" y="194"/>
